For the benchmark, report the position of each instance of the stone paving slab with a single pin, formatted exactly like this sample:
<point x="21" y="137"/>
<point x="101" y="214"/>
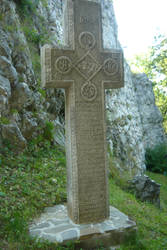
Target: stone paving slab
<point x="55" y="225"/>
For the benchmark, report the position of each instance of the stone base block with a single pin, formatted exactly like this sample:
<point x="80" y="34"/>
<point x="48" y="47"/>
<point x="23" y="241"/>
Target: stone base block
<point x="54" y="225"/>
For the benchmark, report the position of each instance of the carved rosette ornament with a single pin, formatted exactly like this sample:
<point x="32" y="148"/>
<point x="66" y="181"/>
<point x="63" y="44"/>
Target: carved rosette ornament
<point x="88" y="91"/>
<point x="86" y="40"/>
<point x="63" y="64"/>
<point x="111" y="67"/>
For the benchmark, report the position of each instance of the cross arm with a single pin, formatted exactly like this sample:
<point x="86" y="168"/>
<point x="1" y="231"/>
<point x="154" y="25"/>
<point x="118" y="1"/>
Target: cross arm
<point x="113" y="68"/>
<point x="56" y="67"/>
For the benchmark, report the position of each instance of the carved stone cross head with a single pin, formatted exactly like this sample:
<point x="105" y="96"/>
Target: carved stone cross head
<point x="85" y="58"/>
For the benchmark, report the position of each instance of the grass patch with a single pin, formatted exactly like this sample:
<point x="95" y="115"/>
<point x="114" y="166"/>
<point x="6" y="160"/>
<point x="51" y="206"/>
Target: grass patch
<point x="36" y="179"/>
<point x="151" y="221"/>
<point x="29" y="182"/>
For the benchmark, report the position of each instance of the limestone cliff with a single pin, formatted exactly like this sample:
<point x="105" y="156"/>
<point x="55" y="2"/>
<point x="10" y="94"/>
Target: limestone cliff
<point x="133" y="121"/>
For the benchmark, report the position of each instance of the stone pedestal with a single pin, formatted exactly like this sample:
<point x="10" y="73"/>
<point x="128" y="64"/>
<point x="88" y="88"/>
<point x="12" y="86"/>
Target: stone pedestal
<point x="54" y="225"/>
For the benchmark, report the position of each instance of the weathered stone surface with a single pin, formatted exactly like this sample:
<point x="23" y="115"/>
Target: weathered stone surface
<point x="87" y="230"/>
<point x="42" y="225"/>
<point x="5" y="88"/>
<point x="29" y="125"/>
<point x="70" y="235"/>
<point x="3" y="103"/>
<point x="59" y="133"/>
<point x="84" y="70"/>
<point x="112" y="232"/>
<point x="53" y="20"/>
<point x="151" y="118"/>
<point x="20" y="61"/>
<point x="7" y="69"/>
<point x="21" y="96"/>
<point x="146" y="189"/>
<point x="57" y="229"/>
<point x="5" y="93"/>
<point x="4" y="49"/>
<point x="50" y="237"/>
<point x="12" y="133"/>
<point x="124" y="131"/>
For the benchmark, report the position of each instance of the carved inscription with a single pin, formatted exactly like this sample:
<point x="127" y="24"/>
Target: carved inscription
<point x="88" y="19"/>
<point x="87" y="107"/>
<point x="91" y="169"/>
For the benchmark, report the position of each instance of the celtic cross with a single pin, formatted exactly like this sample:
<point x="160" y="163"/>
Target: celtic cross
<point x="84" y="69"/>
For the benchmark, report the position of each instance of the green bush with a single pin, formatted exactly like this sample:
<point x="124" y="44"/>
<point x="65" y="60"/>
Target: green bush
<point x="4" y="120"/>
<point x="48" y="133"/>
<point x="156" y="159"/>
<point x="27" y="6"/>
<point x="32" y="34"/>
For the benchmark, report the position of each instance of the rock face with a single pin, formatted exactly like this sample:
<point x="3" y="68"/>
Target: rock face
<point x="146" y="189"/>
<point x="134" y="122"/>
<point x="151" y="118"/>
<point x="24" y="107"/>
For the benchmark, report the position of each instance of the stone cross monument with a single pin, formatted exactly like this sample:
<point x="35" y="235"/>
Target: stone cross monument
<point x="84" y="69"/>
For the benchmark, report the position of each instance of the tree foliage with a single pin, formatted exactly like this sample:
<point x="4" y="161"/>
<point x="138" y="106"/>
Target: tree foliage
<point x="27" y="6"/>
<point x="156" y="159"/>
<point x="154" y="64"/>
